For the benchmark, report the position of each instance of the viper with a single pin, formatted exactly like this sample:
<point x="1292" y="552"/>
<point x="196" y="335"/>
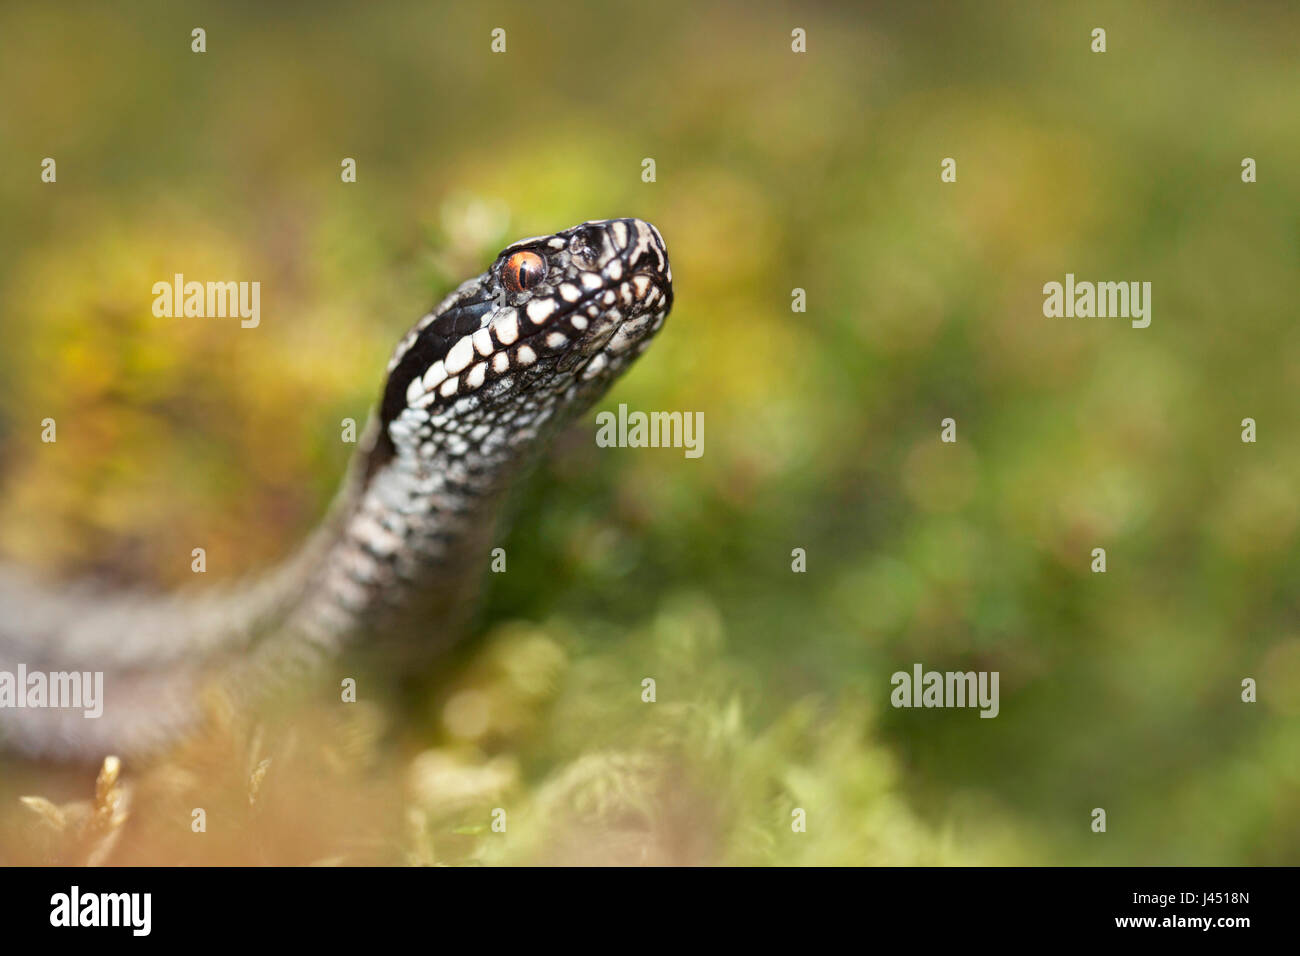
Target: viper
<point x="472" y="395"/>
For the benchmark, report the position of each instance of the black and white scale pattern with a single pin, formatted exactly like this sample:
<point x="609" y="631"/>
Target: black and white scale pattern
<point x="472" y="394"/>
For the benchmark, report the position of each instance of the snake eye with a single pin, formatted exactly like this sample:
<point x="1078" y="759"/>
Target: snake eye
<point x="522" y="271"/>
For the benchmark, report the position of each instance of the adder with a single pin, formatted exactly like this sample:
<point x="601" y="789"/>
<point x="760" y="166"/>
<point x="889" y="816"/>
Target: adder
<point x="472" y="394"/>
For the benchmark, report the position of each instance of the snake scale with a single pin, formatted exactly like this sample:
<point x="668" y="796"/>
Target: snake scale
<point x="472" y="394"/>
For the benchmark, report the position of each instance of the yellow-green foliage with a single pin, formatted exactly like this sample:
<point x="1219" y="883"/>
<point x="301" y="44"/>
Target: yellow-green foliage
<point x="775" y="171"/>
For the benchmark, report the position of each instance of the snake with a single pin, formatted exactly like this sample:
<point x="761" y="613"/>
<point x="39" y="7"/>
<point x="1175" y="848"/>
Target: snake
<point x="473" y="394"/>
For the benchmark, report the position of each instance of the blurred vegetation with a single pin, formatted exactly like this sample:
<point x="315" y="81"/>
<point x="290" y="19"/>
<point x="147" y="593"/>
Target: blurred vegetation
<point x="924" y="301"/>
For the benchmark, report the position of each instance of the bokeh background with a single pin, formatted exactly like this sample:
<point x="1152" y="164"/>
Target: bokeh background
<point x="775" y="171"/>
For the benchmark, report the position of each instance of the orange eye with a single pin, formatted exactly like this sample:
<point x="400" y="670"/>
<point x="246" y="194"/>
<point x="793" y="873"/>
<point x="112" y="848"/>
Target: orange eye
<point x="522" y="271"/>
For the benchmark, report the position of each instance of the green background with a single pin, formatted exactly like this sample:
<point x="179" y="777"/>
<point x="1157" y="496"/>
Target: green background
<point x="774" y="171"/>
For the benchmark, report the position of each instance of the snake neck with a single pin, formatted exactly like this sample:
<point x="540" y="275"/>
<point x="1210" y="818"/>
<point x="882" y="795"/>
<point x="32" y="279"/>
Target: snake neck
<point x="399" y="557"/>
<point x="404" y="547"/>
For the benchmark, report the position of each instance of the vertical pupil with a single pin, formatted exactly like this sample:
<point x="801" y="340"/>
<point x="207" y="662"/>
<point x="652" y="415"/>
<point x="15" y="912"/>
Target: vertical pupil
<point x="523" y="270"/>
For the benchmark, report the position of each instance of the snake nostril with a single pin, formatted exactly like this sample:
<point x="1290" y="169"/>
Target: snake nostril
<point x="589" y="245"/>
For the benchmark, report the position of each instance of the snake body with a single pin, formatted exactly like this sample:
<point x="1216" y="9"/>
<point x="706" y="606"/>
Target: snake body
<point x="472" y="394"/>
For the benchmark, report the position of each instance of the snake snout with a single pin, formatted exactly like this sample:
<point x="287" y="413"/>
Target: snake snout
<point x="641" y="248"/>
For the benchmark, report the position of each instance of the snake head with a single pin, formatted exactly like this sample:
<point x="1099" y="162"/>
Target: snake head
<point x="600" y="285"/>
<point x="535" y="339"/>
